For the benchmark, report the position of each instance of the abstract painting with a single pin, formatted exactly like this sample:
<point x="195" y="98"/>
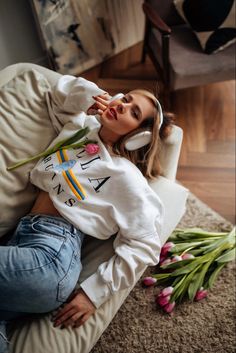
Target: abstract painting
<point x="79" y="34"/>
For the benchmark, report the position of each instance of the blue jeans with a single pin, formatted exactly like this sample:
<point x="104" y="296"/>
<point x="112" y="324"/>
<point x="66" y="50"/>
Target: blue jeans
<point x="39" y="268"/>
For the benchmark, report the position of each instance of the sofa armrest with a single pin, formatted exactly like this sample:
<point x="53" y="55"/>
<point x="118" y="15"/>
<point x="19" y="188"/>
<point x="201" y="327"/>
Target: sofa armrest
<point x="170" y="153"/>
<point x="11" y="71"/>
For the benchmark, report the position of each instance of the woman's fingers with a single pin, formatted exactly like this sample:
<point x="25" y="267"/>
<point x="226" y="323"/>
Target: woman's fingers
<point x="106" y="96"/>
<point x="100" y="105"/>
<point x="72" y="319"/>
<point x="102" y="100"/>
<point x="62" y="316"/>
<point x="82" y="320"/>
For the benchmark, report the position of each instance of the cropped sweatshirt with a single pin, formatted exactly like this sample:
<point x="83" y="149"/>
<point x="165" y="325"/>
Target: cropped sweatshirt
<point x="100" y="194"/>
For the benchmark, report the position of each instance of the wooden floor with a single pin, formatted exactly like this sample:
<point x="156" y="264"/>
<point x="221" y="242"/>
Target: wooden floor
<point x="207" y="116"/>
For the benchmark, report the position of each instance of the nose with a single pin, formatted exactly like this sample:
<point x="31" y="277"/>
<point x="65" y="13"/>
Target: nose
<point x="121" y="108"/>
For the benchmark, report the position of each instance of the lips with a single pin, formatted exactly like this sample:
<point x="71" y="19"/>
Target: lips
<point x="112" y="113"/>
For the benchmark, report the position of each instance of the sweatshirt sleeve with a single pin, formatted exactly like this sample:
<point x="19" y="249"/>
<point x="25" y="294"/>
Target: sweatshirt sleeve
<point x="70" y="99"/>
<point x="132" y="256"/>
<point x="139" y="215"/>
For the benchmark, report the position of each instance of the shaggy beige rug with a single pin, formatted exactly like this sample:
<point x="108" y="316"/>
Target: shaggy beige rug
<point x="207" y="326"/>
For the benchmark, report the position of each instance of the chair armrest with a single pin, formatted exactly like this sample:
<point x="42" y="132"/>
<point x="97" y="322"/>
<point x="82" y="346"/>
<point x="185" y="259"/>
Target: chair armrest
<point x="155" y="19"/>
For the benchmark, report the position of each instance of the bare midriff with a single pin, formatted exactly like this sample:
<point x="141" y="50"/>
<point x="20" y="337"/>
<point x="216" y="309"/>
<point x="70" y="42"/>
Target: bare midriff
<point x="44" y="205"/>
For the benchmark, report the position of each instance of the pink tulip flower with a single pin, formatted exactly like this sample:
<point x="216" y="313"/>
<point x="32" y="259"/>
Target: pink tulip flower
<point x="166" y="248"/>
<point x="91" y="148"/>
<point x="165" y="262"/>
<point x="187" y="256"/>
<point x="162" y="258"/>
<point x="162" y="301"/>
<point x="166" y="291"/>
<point x="149" y="281"/>
<point x="201" y="293"/>
<point x="176" y="258"/>
<point x="169" y="307"/>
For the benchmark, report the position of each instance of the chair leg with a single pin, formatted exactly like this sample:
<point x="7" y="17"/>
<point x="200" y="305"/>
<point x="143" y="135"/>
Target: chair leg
<point x="167" y="97"/>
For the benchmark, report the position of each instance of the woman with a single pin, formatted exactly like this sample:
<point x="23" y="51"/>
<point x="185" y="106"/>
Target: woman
<point x="98" y="194"/>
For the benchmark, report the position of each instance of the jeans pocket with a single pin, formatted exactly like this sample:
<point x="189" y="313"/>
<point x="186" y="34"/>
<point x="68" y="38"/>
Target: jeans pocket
<point x="46" y="227"/>
<point x="68" y="282"/>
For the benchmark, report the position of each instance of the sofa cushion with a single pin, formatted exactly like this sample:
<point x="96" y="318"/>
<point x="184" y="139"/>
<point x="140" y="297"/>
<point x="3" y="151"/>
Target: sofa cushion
<point x="212" y="21"/>
<point x="25" y="130"/>
<point x="23" y="108"/>
<point x="40" y="335"/>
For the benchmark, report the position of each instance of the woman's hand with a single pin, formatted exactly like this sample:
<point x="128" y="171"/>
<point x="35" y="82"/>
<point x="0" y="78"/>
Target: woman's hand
<point x="76" y="312"/>
<point x="101" y="104"/>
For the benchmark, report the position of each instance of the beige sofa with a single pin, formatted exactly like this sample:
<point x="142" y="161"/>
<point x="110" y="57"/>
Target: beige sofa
<point x="26" y="129"/>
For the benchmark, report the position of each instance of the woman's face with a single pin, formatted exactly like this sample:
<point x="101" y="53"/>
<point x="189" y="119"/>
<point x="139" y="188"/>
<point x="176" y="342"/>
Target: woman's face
<point x="126" y="114"/>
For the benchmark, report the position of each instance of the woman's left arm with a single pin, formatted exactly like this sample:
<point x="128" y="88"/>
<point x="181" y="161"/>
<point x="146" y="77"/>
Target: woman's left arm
<point x="132" y="256"/>
<point x="139" y="213"/>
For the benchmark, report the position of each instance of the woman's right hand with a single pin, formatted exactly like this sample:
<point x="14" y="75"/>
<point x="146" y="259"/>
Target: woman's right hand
<point x="100" y="105"/>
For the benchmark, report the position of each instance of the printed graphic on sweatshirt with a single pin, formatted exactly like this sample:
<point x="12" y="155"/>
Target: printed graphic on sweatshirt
<point x="69" y="185"/>
<point x="69" y="176"/>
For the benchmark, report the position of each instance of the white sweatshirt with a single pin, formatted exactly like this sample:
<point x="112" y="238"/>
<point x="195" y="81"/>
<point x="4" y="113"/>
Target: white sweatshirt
<point x="100" y="194"/>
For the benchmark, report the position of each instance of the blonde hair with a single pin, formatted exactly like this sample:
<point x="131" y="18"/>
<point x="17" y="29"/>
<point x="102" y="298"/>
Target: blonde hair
<point x="147" y="157"/>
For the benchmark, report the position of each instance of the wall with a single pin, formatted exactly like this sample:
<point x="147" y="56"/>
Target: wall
<point x="19" y="40"/>
<point x="105" y="28"/>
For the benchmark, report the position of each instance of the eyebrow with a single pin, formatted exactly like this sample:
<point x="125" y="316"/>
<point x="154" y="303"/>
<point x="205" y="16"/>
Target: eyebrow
<point x="130" y="97"/>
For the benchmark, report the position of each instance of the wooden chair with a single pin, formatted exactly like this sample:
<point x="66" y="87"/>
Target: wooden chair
<point x="176" y="52"/>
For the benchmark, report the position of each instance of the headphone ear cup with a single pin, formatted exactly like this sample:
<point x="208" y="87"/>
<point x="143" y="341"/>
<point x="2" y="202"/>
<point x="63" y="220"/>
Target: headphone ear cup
<point x="139" y="140"/>
<point x="117" y="96"/>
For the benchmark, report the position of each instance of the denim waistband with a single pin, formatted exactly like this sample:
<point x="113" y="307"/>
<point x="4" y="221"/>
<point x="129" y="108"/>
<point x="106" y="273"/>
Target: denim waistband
<point x="59" y="221"/>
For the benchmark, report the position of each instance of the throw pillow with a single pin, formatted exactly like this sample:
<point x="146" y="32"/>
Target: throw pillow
<point x="213" y="22"/>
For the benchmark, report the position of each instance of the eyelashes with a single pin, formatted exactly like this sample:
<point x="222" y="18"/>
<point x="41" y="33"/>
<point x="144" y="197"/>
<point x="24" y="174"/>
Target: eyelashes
<point x="134" y="113"/>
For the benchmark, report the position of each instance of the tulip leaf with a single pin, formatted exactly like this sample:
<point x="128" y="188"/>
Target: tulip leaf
<point x="213" y="246"/>
<point x="187" y="268"/>
<point x="161" y="276"/>
<point x="179" y="289"/>
<point x="195" y="233"/>
<point x="226" y="256"/>
<point x="198" y="280"/>
<point x="196" y="252"/>
<point x="181" y="247"/>
<point x="193" y="287"/>
<point x="77" y="136"/>
<point x="214" y="275"/>
<point x="177" y="264"/>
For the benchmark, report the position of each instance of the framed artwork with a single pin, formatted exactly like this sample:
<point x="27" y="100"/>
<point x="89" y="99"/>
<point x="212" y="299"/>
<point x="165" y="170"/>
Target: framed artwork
<point x="79" y="34"/>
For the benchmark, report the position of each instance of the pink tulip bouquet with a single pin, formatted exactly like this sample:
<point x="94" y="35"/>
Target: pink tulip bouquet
<point x="72" y="142"/>
<point x="189" y="264"/>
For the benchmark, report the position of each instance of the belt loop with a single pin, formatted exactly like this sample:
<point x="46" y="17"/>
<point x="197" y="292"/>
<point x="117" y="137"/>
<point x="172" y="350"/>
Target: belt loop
<point x="74" y="230"/>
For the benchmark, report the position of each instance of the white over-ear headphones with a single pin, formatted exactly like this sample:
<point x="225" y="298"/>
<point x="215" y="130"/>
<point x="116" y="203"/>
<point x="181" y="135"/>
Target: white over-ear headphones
<point x="142" y="138"/>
